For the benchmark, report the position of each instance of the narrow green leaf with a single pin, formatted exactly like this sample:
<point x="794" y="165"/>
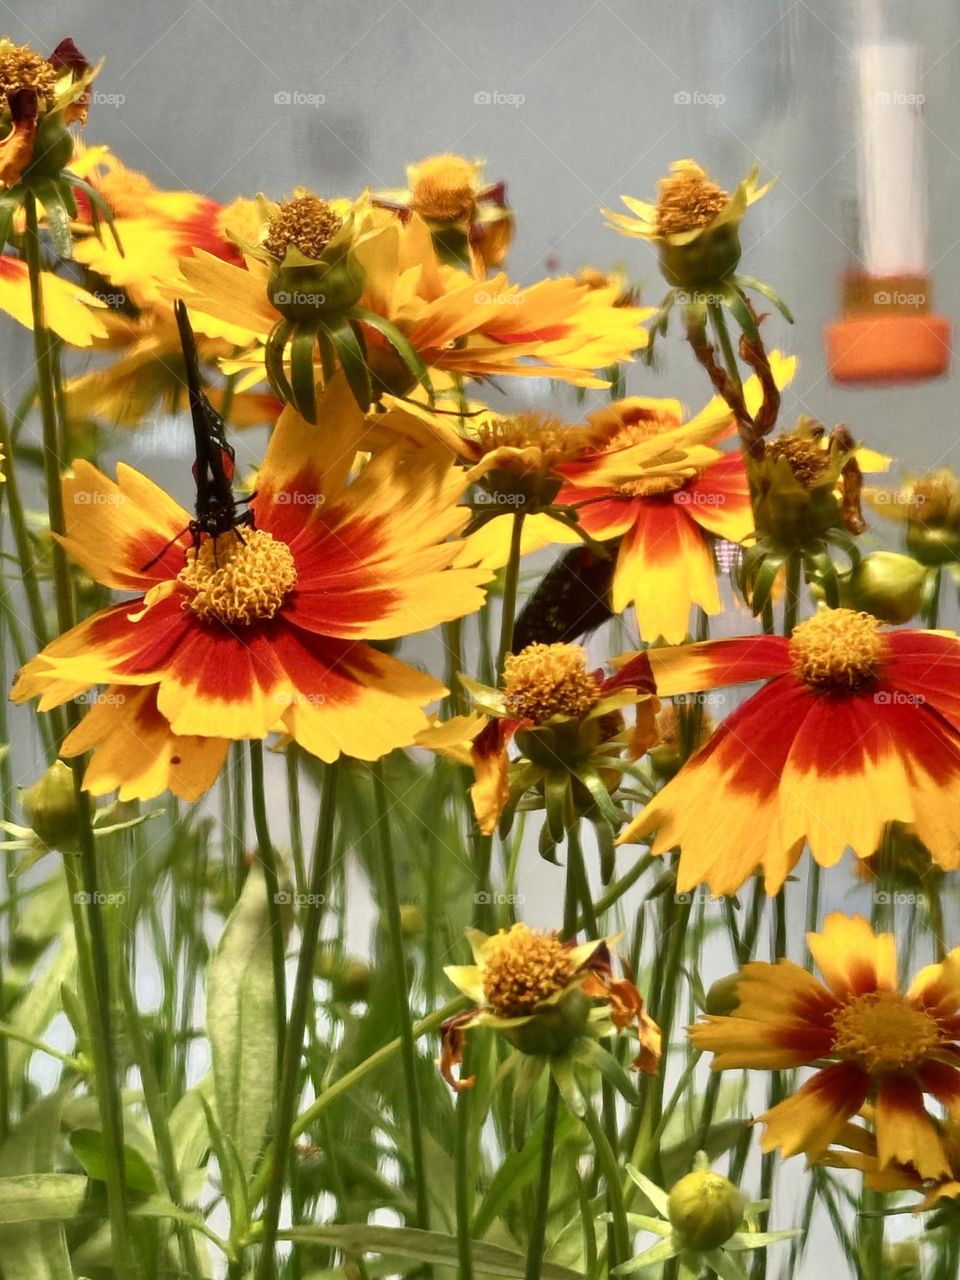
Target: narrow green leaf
<point x="241" y="1023"/>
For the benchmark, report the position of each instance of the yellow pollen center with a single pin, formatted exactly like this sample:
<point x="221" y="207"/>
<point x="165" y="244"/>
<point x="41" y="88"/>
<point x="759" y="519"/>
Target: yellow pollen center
<point x="687" y="199"/>
<point x="838" y="649"/>
<point x="306" y="223"/>
<point x="883" y="1032"/>
<point x="21" y="67"/>
<point x="547" y="680"/>
<point x="523" y="968"/>
<point x="808" y="461"/>
<point x="544" y="431"/>
<point x="238" y="578"/>
<point x="444" y="189"/>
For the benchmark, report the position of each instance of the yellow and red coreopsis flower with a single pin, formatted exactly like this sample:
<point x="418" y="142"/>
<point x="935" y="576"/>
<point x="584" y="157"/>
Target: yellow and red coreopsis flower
<point x="878" y="1045"/>
<point x="857" y="727"/>
<point x="665" y="514"/>
<point x="857" y="1148"/>
<point x="263" y="629"/>
<point x="454" y="323"/>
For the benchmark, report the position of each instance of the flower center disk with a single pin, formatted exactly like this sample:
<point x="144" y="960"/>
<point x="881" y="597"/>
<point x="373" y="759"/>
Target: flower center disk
<point x="883" y="1032"/>
<point x="838" y="649"/>
<point x="522" y="968"/>
<point x="444" y="189"/>
<point x="306" y="223"/>
<point x="238" y="580"/>
<point x="547" y="680"/>
<point x="686" y="200"/>
<point x="807" y="460"/>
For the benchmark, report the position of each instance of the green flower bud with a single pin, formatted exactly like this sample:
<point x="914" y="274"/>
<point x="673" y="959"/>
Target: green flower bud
<point x="50" y="806"/>
<point x="705" y="1209"/>
<point x="704" y="262"/>
<point x="52" y="149"/>
<point x="553" y="1027"/>
<point x="932" y="545"/>
<point x="722" y="997"/>
<point x="888" y="585"/>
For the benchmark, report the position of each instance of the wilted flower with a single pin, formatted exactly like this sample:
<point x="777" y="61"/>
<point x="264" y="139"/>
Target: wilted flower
<point x="550" y="999"/>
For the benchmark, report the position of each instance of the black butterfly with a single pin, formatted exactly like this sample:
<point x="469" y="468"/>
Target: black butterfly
<point x="217" y="510"/>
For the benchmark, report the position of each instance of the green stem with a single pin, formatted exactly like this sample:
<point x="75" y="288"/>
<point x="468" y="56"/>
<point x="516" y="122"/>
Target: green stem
<point x="931" y="614"/>
<point x="26" y="551"/>
<point x="511" y="580"/>
<point x="268" y="861"/>
<point x="92" y="948"/>
<point x="386" y="1053"/>
<point x="791" y="599"/>
<point x="538" y="1232"/>
<point x="391" y="913"/>
<point x="159" y="1123"/>
<point x="618" y="1248"/>
<point x="275" y="1162"/>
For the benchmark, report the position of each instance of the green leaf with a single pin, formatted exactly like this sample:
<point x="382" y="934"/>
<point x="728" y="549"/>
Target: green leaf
<point x="656" y="1195"/>
<point x="400" y="345"/>
<point x="42" y="1197"/>
<point x="273" y="361"/>
<point x="353" y="363"/>
<point x="429" y="1247"/>
<point x="768" y="291"/>
<point x="35" y="1250"/>
<point x="88" y="1146"/>
<point x="592" y="1054"/>
<point x="241" y="1023"/>
<point x="650" y="1258"/>
<point x="302" y="374"/>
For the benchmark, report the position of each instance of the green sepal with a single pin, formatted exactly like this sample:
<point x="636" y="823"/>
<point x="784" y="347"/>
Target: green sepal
<point x="302" y="372"/>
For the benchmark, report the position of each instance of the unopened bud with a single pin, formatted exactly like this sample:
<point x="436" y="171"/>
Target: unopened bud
<point x="705" y="1209"/>
<point x="51" y="808"/>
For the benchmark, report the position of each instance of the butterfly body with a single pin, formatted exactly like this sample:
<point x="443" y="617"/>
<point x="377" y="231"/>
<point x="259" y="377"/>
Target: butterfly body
<point x="217" y="510"/>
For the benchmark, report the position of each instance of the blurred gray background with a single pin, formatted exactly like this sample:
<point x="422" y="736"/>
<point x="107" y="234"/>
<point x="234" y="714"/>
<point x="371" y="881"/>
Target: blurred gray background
<point x="572" y="102"/>
<point x="585" y="107"/>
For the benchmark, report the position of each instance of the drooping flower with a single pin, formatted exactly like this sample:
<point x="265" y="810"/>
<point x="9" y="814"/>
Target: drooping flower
<point x="567" y="722"/>
<point x="663" y="489"/>
<point x="857" y="727"/>
<point x="264" y="629"/>
<point x="878" y="1045"/>
<point x="856" y="1147"/>
<point x="550" y="999"/>
<point x="469" y="219"/>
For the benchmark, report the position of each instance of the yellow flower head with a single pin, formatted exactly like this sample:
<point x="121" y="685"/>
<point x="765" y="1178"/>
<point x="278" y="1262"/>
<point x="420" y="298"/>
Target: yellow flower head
<point x="870" y="1043"/>
<point x="546" y="680"/>
<point x="544" y="995"/>
<point x="444" y="188"/>
<point x="694" y="223"/>
<point x="306" y="223"/>
<point x="523" y="967"/>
